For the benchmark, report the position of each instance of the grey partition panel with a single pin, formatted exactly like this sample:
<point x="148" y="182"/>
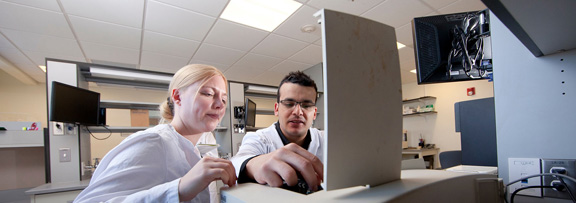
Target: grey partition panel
<point x="533" y="100"/>
<point x="475" y="120"/>
<point x="363" y="109"/>
<point x="62" y="171"/>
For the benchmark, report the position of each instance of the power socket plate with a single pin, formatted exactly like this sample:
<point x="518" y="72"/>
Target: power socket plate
<point x="569" y="165"/>
<point x="522" y="167"/>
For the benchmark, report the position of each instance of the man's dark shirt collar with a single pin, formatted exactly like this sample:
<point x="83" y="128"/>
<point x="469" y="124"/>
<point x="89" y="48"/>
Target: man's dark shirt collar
<point x="285" y="141"/>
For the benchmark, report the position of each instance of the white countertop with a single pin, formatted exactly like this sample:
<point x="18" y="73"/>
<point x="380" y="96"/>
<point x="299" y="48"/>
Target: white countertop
<point x="58" y="187"/>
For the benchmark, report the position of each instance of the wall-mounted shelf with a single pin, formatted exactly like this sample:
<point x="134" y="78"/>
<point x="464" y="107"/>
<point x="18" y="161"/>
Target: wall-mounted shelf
<point x="420" y="99"/>
<point x="421" y="113"/>
<point x="100" y="129"/>
<point x="221" y="128"/>
<point x="424" y="100"/>
<point x="15" y="138"/>
<point x="129" y="105"/>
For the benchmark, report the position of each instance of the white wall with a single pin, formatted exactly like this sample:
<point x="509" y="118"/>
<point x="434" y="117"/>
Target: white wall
<point x="439" y="129"/>
<point x="21" y="102"/>
<point x="22" y="167"/>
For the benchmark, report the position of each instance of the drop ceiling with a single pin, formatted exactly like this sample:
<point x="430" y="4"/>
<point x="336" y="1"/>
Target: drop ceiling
<point x="164" y="35"/>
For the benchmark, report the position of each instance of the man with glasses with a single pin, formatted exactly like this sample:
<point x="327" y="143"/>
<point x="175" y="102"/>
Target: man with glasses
<point x="288" y="153"/>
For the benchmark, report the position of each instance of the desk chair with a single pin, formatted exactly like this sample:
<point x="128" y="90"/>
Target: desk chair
<point x="450" y="158"/>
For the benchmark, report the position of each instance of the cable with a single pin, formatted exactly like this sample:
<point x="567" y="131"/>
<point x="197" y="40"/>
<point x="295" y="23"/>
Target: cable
<point x="524" y="188"/>
<point x="468" y="46"/>
<point x="542" y="174"/>
<point x="537" y="175"/>
<point x="99" y="138"/>
<point x="567" y="188"/>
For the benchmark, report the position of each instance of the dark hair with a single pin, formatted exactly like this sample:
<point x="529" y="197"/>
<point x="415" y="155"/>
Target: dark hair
<point x="299" y="78"/>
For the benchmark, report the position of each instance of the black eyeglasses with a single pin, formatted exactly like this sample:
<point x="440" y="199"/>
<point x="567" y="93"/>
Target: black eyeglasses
<point x="305" y="105"/>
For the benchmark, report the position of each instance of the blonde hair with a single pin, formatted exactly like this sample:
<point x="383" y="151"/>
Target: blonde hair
<point x="183" y="78"/>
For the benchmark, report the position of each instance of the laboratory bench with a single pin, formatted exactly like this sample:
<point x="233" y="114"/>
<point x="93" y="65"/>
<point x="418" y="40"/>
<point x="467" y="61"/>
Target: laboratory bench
<point x="57" y="192"/>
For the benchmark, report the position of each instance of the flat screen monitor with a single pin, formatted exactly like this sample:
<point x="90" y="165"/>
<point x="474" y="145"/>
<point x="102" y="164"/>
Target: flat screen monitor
<point x="452" y="47"/>
<point x="250" y="113"/>
<point x="71" y="104"/>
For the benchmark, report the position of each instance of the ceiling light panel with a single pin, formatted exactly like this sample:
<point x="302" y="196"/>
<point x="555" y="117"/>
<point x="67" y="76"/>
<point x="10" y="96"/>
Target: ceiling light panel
<point x="261" y="14"/>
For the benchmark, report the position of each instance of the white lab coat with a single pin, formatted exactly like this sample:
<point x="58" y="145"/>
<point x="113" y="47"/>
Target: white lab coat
<point x="144" y="167"/>
<point x="268" y="140"/>
<point x="208" y="138"/>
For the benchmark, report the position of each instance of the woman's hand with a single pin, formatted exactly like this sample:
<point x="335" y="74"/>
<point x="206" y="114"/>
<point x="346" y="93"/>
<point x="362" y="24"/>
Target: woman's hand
<point x="208" y="169"/>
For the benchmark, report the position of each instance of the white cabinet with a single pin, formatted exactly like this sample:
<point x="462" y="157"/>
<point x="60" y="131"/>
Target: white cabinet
<point x="67" y="196"/>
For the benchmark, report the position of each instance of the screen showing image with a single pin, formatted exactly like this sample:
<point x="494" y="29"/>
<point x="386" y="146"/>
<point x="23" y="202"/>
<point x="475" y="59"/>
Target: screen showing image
<point x="71" y="104"/>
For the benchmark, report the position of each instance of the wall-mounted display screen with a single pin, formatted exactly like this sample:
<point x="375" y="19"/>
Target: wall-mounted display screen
<point x="250" y="113"/>
<point x="71" y="104"/>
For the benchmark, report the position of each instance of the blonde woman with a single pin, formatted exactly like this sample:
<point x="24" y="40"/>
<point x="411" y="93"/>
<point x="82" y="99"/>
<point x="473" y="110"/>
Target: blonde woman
<point x="162" y="163"/>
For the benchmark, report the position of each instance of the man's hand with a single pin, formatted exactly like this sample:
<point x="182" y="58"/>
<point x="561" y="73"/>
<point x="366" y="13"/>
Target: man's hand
<point x="285" y="164"/>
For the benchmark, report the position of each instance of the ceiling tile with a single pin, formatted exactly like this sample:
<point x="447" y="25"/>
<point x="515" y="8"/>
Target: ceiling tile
<point x="318" y="42"/>
<point x="217" y="54"/>
<point x="279" y="46"/>
<point x="220" y="66"/>
<point x="396" y="13"/>
<point x="43" y="43"/>
<point x="241" y="74"/>
<point x="288" y="66"/>
<point x="257" y="62"/>
<point x="24" y="64"/>
<point x="404" y="35"/>
<point x="39" y="58"/>
<point x="269" y="78"/>
<point x="312" y="54"/>
<point x="124" y="12"/>
<point x="234" y="35"/>
<point x="106" y="33"/>
<point x="25" y="18"/>
<point x="163" y="63"/>
<point x="169" y="45"/>
<point x="346" y="6"/>
<point x="112" y="54"/>
<point x="48" y="5"/>
<point x="463" y="6"/>
<point x="438" y="4"/>
<point x="5" y="44"/>
<point x="303" y="16"/>
<point x="212" y="8"/>
<point x="170" y="20"/>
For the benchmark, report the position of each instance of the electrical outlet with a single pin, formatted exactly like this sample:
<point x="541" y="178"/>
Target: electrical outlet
<point x="560" y="166"/>
<point x="65" y="155"/>
<point x="70" y="129"/>
<point x="58" y="128"/>
<point x="522" y="167"/>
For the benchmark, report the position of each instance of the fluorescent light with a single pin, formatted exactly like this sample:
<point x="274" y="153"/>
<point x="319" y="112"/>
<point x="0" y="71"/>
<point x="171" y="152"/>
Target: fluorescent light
<point x="43" y="68"/>
<point x="261" y="14"/>
<point x="400" y="45"/>
<point x="413" y="71"/>
<point x="261" y="89"/>
<point x="126" y="74"/>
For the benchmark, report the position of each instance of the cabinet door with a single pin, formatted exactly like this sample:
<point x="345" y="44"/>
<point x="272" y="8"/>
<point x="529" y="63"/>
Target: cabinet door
<point x="67" y="196"/>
